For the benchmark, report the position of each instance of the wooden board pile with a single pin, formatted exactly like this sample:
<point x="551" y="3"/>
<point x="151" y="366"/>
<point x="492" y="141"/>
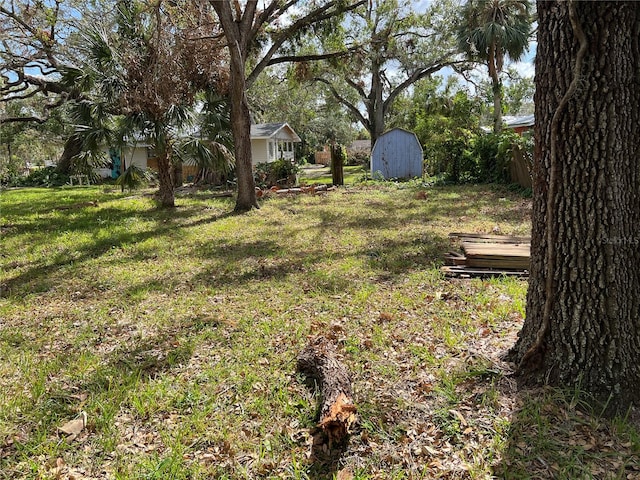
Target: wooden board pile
<point x="488" y="255"/>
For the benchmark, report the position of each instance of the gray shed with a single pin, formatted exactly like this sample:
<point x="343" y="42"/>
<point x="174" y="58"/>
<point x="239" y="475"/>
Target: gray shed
<point x="397" y="154"/>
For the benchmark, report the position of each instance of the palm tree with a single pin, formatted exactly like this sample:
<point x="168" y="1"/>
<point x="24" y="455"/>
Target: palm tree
<point x="141" y="79"/>
<point x="490" y="31"/>
<point x="213" y="150"/>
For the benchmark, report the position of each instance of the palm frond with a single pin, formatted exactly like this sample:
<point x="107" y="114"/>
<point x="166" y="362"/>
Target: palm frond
<point x="134" y="177"/>
<point x="98" y="48"/>
<point x="503" y="25"/>
<point x="181" y="116"/>
<point x="205" y="154"/>
<point x="93" y="137"/>
<point x="87" y="161"/>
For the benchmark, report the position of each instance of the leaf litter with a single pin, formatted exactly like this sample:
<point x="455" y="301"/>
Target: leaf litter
<point x="435" y="398"/>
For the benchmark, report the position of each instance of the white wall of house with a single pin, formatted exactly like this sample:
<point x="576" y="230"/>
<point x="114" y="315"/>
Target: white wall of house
<point x="269" y="150"/>
<point x="259" y="151"/>
<point x="136" y="156"/>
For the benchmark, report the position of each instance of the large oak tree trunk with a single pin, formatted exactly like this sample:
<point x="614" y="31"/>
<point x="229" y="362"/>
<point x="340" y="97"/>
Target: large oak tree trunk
<point x="590" y="335"/>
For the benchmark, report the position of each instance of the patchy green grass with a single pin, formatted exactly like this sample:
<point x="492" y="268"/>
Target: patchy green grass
<point x="176" y="332"/>
<point x="318" y="174"/>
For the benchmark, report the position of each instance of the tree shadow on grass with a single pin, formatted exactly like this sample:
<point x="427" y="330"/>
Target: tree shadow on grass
<point x="264" y="260"/>
<point x="37" y="277"/>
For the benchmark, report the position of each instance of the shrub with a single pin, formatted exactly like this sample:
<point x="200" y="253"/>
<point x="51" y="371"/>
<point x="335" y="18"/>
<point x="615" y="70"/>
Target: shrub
<point x="44" y="177"/>
<point x="491" y="167"/>
<point x="134" y="177"/>
<point x="10" y="170"/>
<point x="281" y="172"/>
<point x="451" y="155"/>
<point x="495" y="153"/>
<point x="358" y="157"/>
<point x="476" y="157"/>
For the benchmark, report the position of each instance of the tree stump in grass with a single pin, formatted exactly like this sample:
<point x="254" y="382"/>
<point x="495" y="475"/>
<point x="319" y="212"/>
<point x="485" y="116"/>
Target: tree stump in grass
<point x="318" y="361"/>
<point x="337" y="164"/>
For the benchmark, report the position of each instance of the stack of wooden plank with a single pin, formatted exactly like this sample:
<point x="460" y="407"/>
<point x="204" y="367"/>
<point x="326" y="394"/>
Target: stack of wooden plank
<point x="486" y="255"/>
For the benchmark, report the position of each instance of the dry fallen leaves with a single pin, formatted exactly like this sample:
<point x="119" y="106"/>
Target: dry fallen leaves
<point x="73" y="428"/>
<point x="345" y="474"/>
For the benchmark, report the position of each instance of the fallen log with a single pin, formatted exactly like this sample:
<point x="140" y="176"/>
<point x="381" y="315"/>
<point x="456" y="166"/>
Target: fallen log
<point x="318" y="361"/>
<point x="312" y="190"/>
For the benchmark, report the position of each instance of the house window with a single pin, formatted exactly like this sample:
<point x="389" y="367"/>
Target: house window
<point x="151" y="152"/>
<point x="271" y="153"/>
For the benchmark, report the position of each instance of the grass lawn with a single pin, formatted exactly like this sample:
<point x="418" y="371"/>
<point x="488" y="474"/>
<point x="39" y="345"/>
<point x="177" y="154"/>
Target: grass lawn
<point x="176" y="333"/>
<point x="318" y="174"/>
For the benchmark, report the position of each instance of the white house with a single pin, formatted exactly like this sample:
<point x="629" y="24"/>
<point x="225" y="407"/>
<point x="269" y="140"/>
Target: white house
<point x="140" y="155"/>
<point x="271" y="141"/>
<point x="520" y="124"/>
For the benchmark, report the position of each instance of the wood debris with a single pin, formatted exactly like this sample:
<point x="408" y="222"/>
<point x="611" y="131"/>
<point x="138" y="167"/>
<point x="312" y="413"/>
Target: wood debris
<point x="311" y="190"/>
<point x="488" y="255"/>
<point x="319" y="361"/>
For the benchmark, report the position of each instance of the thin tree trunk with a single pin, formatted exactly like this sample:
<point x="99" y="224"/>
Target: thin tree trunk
<point x="337" y="164"/>
<point x="375" y="105"/>
<point x="587" y="188"/>
<point x="496" y="88"/>
<point x="237" y="29"/>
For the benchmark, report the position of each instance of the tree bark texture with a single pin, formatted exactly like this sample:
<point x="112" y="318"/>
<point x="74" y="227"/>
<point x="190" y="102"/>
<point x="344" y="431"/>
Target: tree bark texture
<point x="318" y="361"/>
<point x="375" y="104"/>
<point x="337" y="164"/>
<point x="496" y="89"/>
<point x="72" y="147"/>
<point x="588" y="135"/>
<point x="241" y="129"/>
<point x="238" y="32"/>
<point x="165" y="194"/>
<point x="176" y="174"/>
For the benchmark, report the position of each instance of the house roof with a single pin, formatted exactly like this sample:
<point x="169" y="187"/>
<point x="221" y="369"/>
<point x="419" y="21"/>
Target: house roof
<point x="271" y="130"/>
<point x="364" y="145"/>
<point x="515" y="122"/>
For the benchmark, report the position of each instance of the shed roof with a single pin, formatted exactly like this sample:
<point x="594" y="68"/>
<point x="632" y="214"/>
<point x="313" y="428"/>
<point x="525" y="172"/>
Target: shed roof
<point x="269" y="130"/>
<point x="396" y="131"/>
